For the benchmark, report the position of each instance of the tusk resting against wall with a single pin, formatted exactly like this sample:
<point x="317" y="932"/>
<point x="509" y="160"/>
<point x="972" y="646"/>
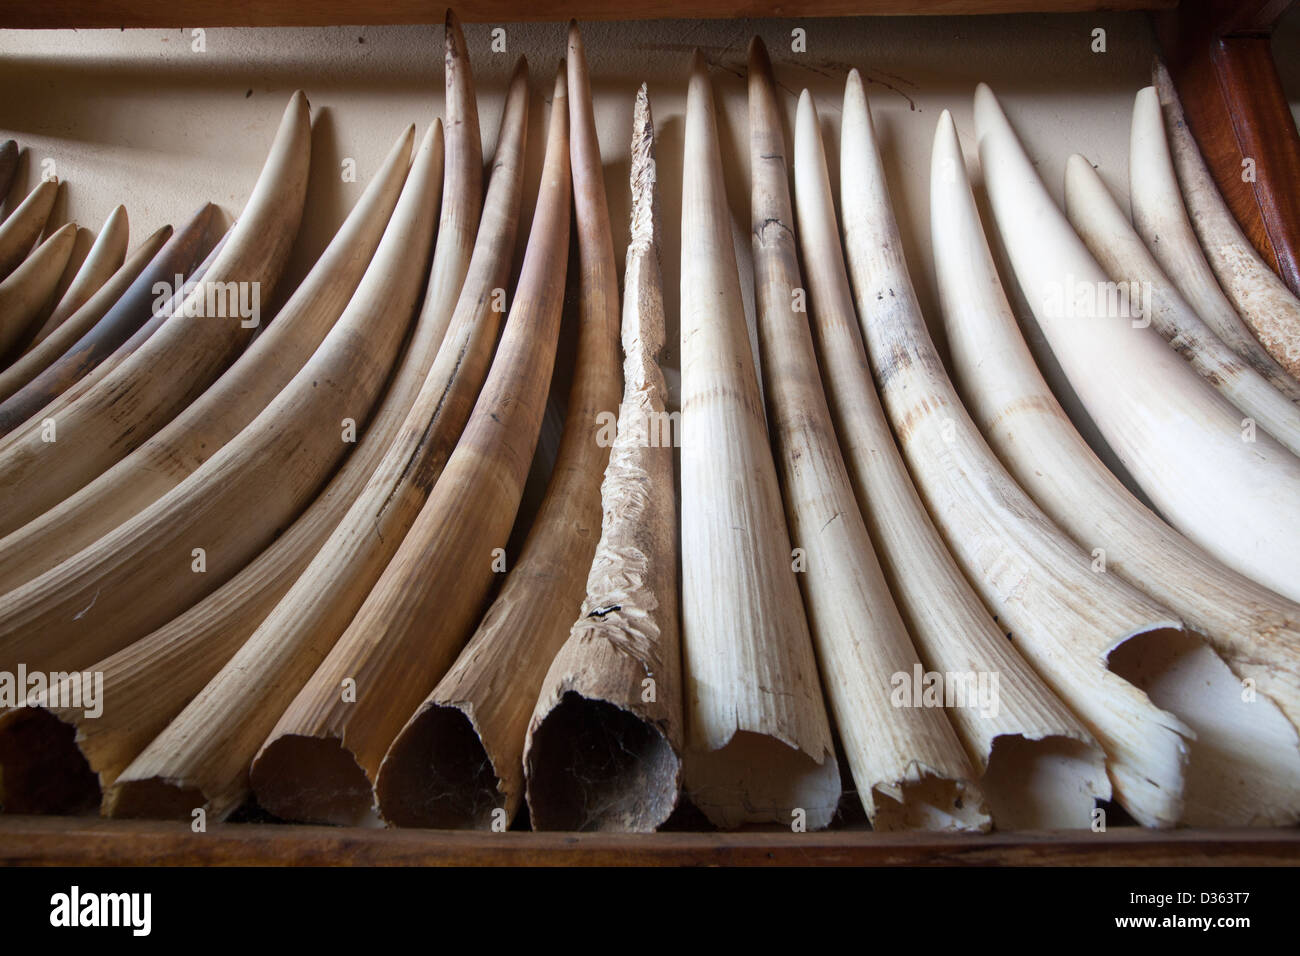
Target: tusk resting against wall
<point x="1255" y="630"/>
<point x="1164" y="422"/>
<point x="1260" y="297"/>
<point x="320" y="760"/>
<point x="603" y="747"/>
<point x="759" y="745"/>
<point x="23" y="227"/>
<point x="458" y="761"/>
<point x="26" y="292"/>
<point x="100" y="263"/>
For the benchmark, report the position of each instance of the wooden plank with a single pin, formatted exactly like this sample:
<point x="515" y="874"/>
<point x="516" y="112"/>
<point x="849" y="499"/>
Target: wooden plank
<point x="222" y="13"/>
<point x="1220" y="57"/>
<point x="69" y="841"/>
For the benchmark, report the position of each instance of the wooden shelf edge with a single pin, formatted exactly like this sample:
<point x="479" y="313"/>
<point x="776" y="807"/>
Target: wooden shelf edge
<point x="90" y="14"/>
<point x="88" y="841"/>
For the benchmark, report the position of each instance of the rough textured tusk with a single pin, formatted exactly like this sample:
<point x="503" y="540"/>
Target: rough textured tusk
<point x="23" y="227"/>
<point x="908" y="766"/>
<point x="154" y="678"/>
<point x="26" y="292"/>
<point x="1038" y="767"/>
<point x="759" y="745"/>
<point x="1260" y="297"/>
<point x="1121" y="252"/>
<point x="1161" y="220"/>
<point x="458" y="760"/>
<point x="164" y="375"/>
<point x="424" y="605"/>
<point x="205" y="529"/>
<point x="603" y="747"/>
<point x="128" y="318"/>
<point x="1163" y="421"/>
<point x="229" y="404"/>
<point x="102" y="261"/>
<point x="1256" y="631"/>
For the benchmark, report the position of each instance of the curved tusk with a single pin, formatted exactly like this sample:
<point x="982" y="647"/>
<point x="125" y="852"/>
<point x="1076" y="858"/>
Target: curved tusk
<point x="1161" y="220"/>
<point x="164" y="375"/>
<point x="70" y="331"/>
<point x="1064" y="619"/>
<point x="23" y="227"/>
<point x="908" y="765"/>
<point x="127" y="317"/>
<point x="759" y="745"/>
<point x="229" y="404"/>
<point x="1038" y="766"/>
<point x="424" y="604"/>
<point x="603" y="746"/>
<point x="1121" y="252"/>
<point x="26" y="292"/>
<point x="1260" y="297"/>
<point x="209" y="526"/>
<point x="102" y="261"/>
<point x="1256" y="631"/>
<point x="1163" y="421"/>
<point x="464" y="743"/>
<point x="175" y="662"/>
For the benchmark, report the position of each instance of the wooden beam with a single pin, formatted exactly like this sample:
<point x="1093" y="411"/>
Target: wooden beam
<point x="90" y="841"/>
<point x="1220" y="57"/>
<point x="87" y="14"/>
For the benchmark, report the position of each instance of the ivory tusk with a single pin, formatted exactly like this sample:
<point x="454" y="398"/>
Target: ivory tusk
<point x="1063" y="618"/>
<point x="1163" y="421"/>
<point x="1161" y="220"/>
<point x="759" y="745"/>
<point x="459" y="757"/>
<point x="126" y="318"/>
<point x="102" y="261"/>
<point x="1121" y="252"/>
<point x="227" y="406"/>
<point x="1038" y="767"/>
<point x="326" y="749"/>
<point x="209" y="526"/>
<point x="23" y="227"/>
<point x="603" y="747"/>
<point x="908" y="766"/>
<point x="27" y="290"/>
<point x="1256" y="631"/>
<point x="76" y="259"/>
<point x="1260" y="297"/>
<point x="8" y="166"/>
<point x="285" y="649"/>
<point x="153" y="679"/>
<point x="164" y="375"/>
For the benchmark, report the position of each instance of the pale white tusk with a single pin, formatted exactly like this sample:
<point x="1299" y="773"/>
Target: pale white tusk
<point x="26" y="291"/>
<point x="1121" y="252"/>
<point x="908" y="764"/>
<point x="603" y="747"/>
<point x="458" y="761"/>
<point x="1260" y="297"/>
<point x="104" y="258"/>
<point x="1256" y="631"/>
<point x="1161" y="220"/>
<point x="320" y="760"/>
<point x="1232" y="490"/>
<point x="759" y="745"/>
<point x="227" y="406"/>
<point x="1064" y="619"/>
<point x="1038" y="767"/>
<point x="23" y="227"/>
<point x="204" y="530"/>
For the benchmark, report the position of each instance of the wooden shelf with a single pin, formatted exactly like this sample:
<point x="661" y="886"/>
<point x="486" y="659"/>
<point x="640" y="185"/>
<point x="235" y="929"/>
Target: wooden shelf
<point x="86" y="841"/>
